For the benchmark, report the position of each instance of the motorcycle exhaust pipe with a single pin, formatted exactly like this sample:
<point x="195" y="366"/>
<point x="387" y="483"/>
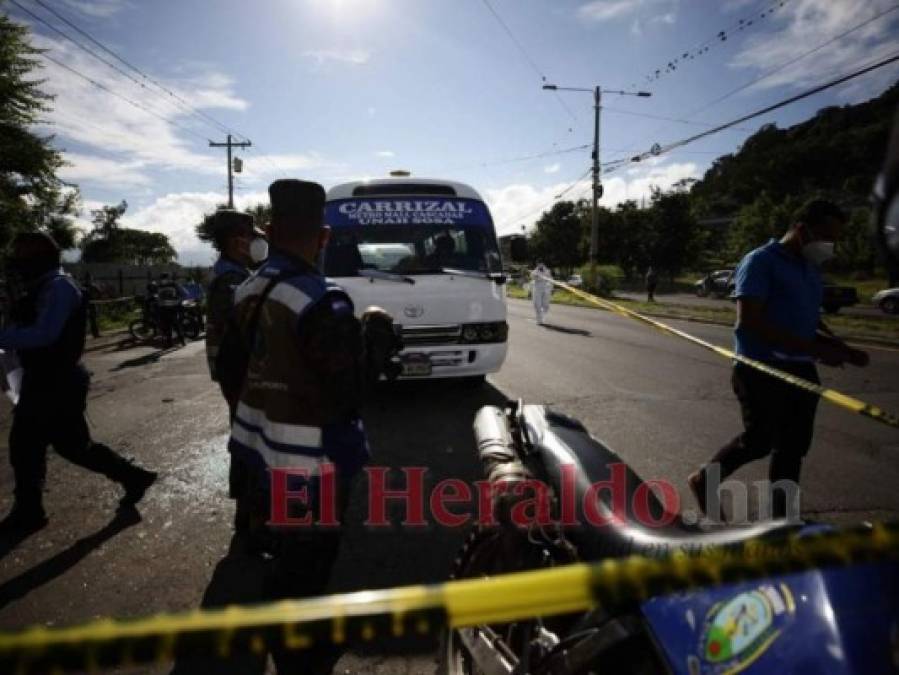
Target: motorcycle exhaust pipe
<point x="500" y="461"/>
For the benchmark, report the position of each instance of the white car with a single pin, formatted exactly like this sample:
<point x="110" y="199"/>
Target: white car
<point x="887" y="300"/>
<point x="575" y="280"/>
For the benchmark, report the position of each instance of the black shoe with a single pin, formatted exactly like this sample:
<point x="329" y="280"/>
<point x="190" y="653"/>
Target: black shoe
<point x="23" y="521"/>
<point x="136" y="486"/>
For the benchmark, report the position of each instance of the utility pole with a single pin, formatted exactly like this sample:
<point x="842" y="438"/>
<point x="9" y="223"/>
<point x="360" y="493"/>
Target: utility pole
<point x="230" y="144"/>
<point x="597" y="183"/>
<point x="597" y="167"/>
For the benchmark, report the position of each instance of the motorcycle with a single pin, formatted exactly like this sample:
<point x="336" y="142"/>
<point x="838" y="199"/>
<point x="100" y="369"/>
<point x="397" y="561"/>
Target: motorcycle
<point x="152" y="324"/>
<point x="833" y="620"/>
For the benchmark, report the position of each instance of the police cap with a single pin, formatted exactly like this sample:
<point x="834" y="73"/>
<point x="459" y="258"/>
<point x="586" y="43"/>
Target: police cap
<point x="297" y="203"/>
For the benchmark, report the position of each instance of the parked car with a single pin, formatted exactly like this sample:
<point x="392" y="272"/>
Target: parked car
<point x="887" y="300"/>
<point x="719" y="282"/>
<point x="575" y="280"/>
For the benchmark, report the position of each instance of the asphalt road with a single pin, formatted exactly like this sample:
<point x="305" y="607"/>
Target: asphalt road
<point x="662" y="404"/>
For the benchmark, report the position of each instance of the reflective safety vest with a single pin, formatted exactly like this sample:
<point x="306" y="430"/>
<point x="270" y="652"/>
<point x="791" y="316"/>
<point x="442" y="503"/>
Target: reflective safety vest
<point x="227" y="276"/>
<point x="284" y="418"/>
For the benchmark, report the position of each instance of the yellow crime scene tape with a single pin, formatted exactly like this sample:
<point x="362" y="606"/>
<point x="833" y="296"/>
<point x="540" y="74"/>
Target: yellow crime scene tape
<point x="422" y="610"/>
<point x="416" y="611"/>
<point x="831" y="395"/>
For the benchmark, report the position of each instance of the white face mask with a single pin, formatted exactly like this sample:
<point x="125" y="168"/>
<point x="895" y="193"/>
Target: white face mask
<point x="258" y="250"/>
<point x="818" y="252"/>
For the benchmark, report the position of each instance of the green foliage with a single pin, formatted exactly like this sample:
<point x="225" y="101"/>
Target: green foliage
<point x="31" y="196"/>
<point x="676" y="235"/>
<point x="261" y="213"/>
<point x="855" y="250"/>
<point x="204" y="227"/>
<point x="106" y="219"/>
<point x="558" y="237"/>
<point x="837" y="153"/>
<point x="108" y="242"/>
<point x="761" y="220"/>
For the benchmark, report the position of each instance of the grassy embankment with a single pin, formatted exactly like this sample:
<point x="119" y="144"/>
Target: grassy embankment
<point x="877" y="327"/>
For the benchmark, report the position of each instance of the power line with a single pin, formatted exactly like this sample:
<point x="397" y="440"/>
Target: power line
<point x="522" y="158"/>
<point x="549" y="203"/>
<point x="124" y="98"/>
<point x="790" y="62"/>
<point x="764" y="75"/>
<point x="76" y="43"/>
<point x="265" y="157"/>
<point x="658" y="150"/>
<point x="694" y="123"/>
<point x="720" y="36"/>
<point x="185" y="104"/>
<point x="526" y="55"/>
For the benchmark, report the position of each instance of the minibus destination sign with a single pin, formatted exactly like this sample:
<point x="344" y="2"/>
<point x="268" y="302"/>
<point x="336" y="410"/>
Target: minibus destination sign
<point x="392" y="211"/>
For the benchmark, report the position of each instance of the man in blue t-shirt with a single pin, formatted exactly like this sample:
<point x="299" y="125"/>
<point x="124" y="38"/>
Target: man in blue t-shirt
<point x="778" y="293"/>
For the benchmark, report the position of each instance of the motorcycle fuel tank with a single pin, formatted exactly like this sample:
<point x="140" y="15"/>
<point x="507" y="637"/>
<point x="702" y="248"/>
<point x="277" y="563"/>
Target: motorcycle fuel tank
<point x="831" y="620"/>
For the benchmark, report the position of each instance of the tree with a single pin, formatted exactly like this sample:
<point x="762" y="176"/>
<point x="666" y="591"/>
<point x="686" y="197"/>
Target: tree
<point x="558" y="237"/>
<point x="262" y="214"/>
<point x="855" y="251"/>
<point x="106" y="219"/>
<point x="108" y="242"/>
<point x="677" y="238"/>
<point x="756" y="223"/>
<point x="31" y="195"/>
<point x="204" y="227"/>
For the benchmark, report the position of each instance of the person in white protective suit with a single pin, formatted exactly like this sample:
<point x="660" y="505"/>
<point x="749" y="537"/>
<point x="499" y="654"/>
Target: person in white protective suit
<point x="541" y="290"/>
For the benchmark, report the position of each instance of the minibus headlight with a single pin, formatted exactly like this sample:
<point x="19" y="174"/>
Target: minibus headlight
<point x="497" y="331"/>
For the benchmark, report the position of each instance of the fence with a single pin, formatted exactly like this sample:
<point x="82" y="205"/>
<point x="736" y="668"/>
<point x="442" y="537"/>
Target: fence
<point x="110" y="280"/>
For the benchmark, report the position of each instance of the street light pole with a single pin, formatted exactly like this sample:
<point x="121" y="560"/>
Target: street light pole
<point x="597" y="185"/>
<point x="597" y="169"/>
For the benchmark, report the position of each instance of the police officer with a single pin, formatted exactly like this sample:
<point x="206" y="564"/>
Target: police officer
<point x="308" y="367"/>
<point x="238" y="243"/>
<point x="235" y="238"/>
<point x="169" y="299"/>
<point x="47" y="331"/>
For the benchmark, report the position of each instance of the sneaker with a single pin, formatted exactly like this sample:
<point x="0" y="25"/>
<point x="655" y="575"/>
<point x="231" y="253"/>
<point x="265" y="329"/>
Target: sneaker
<point x="136" y="486"/>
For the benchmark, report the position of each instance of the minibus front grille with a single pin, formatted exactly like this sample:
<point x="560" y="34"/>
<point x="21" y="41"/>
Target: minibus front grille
<point x="440" y="334"/>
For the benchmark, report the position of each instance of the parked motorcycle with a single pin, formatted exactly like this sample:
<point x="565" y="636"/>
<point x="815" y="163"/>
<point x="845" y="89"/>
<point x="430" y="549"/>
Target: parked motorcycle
<point x="153" y="323"/>
<point x="833" y="620"/>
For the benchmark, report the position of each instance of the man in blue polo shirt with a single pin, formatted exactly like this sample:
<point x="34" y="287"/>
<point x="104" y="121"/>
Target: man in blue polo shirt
<point x="778" y="292"/>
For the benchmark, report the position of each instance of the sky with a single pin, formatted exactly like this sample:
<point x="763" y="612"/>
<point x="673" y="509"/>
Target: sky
<point x="341" y="90"/>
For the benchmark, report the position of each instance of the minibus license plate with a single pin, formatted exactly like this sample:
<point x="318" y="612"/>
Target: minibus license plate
<point x="416" y="364"/>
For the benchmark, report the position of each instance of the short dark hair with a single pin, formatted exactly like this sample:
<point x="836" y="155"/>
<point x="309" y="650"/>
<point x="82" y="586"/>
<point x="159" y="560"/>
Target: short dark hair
<point x="819" y="211"/>
<point x="40" y="243"/>
<point x="225" y="223"/>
